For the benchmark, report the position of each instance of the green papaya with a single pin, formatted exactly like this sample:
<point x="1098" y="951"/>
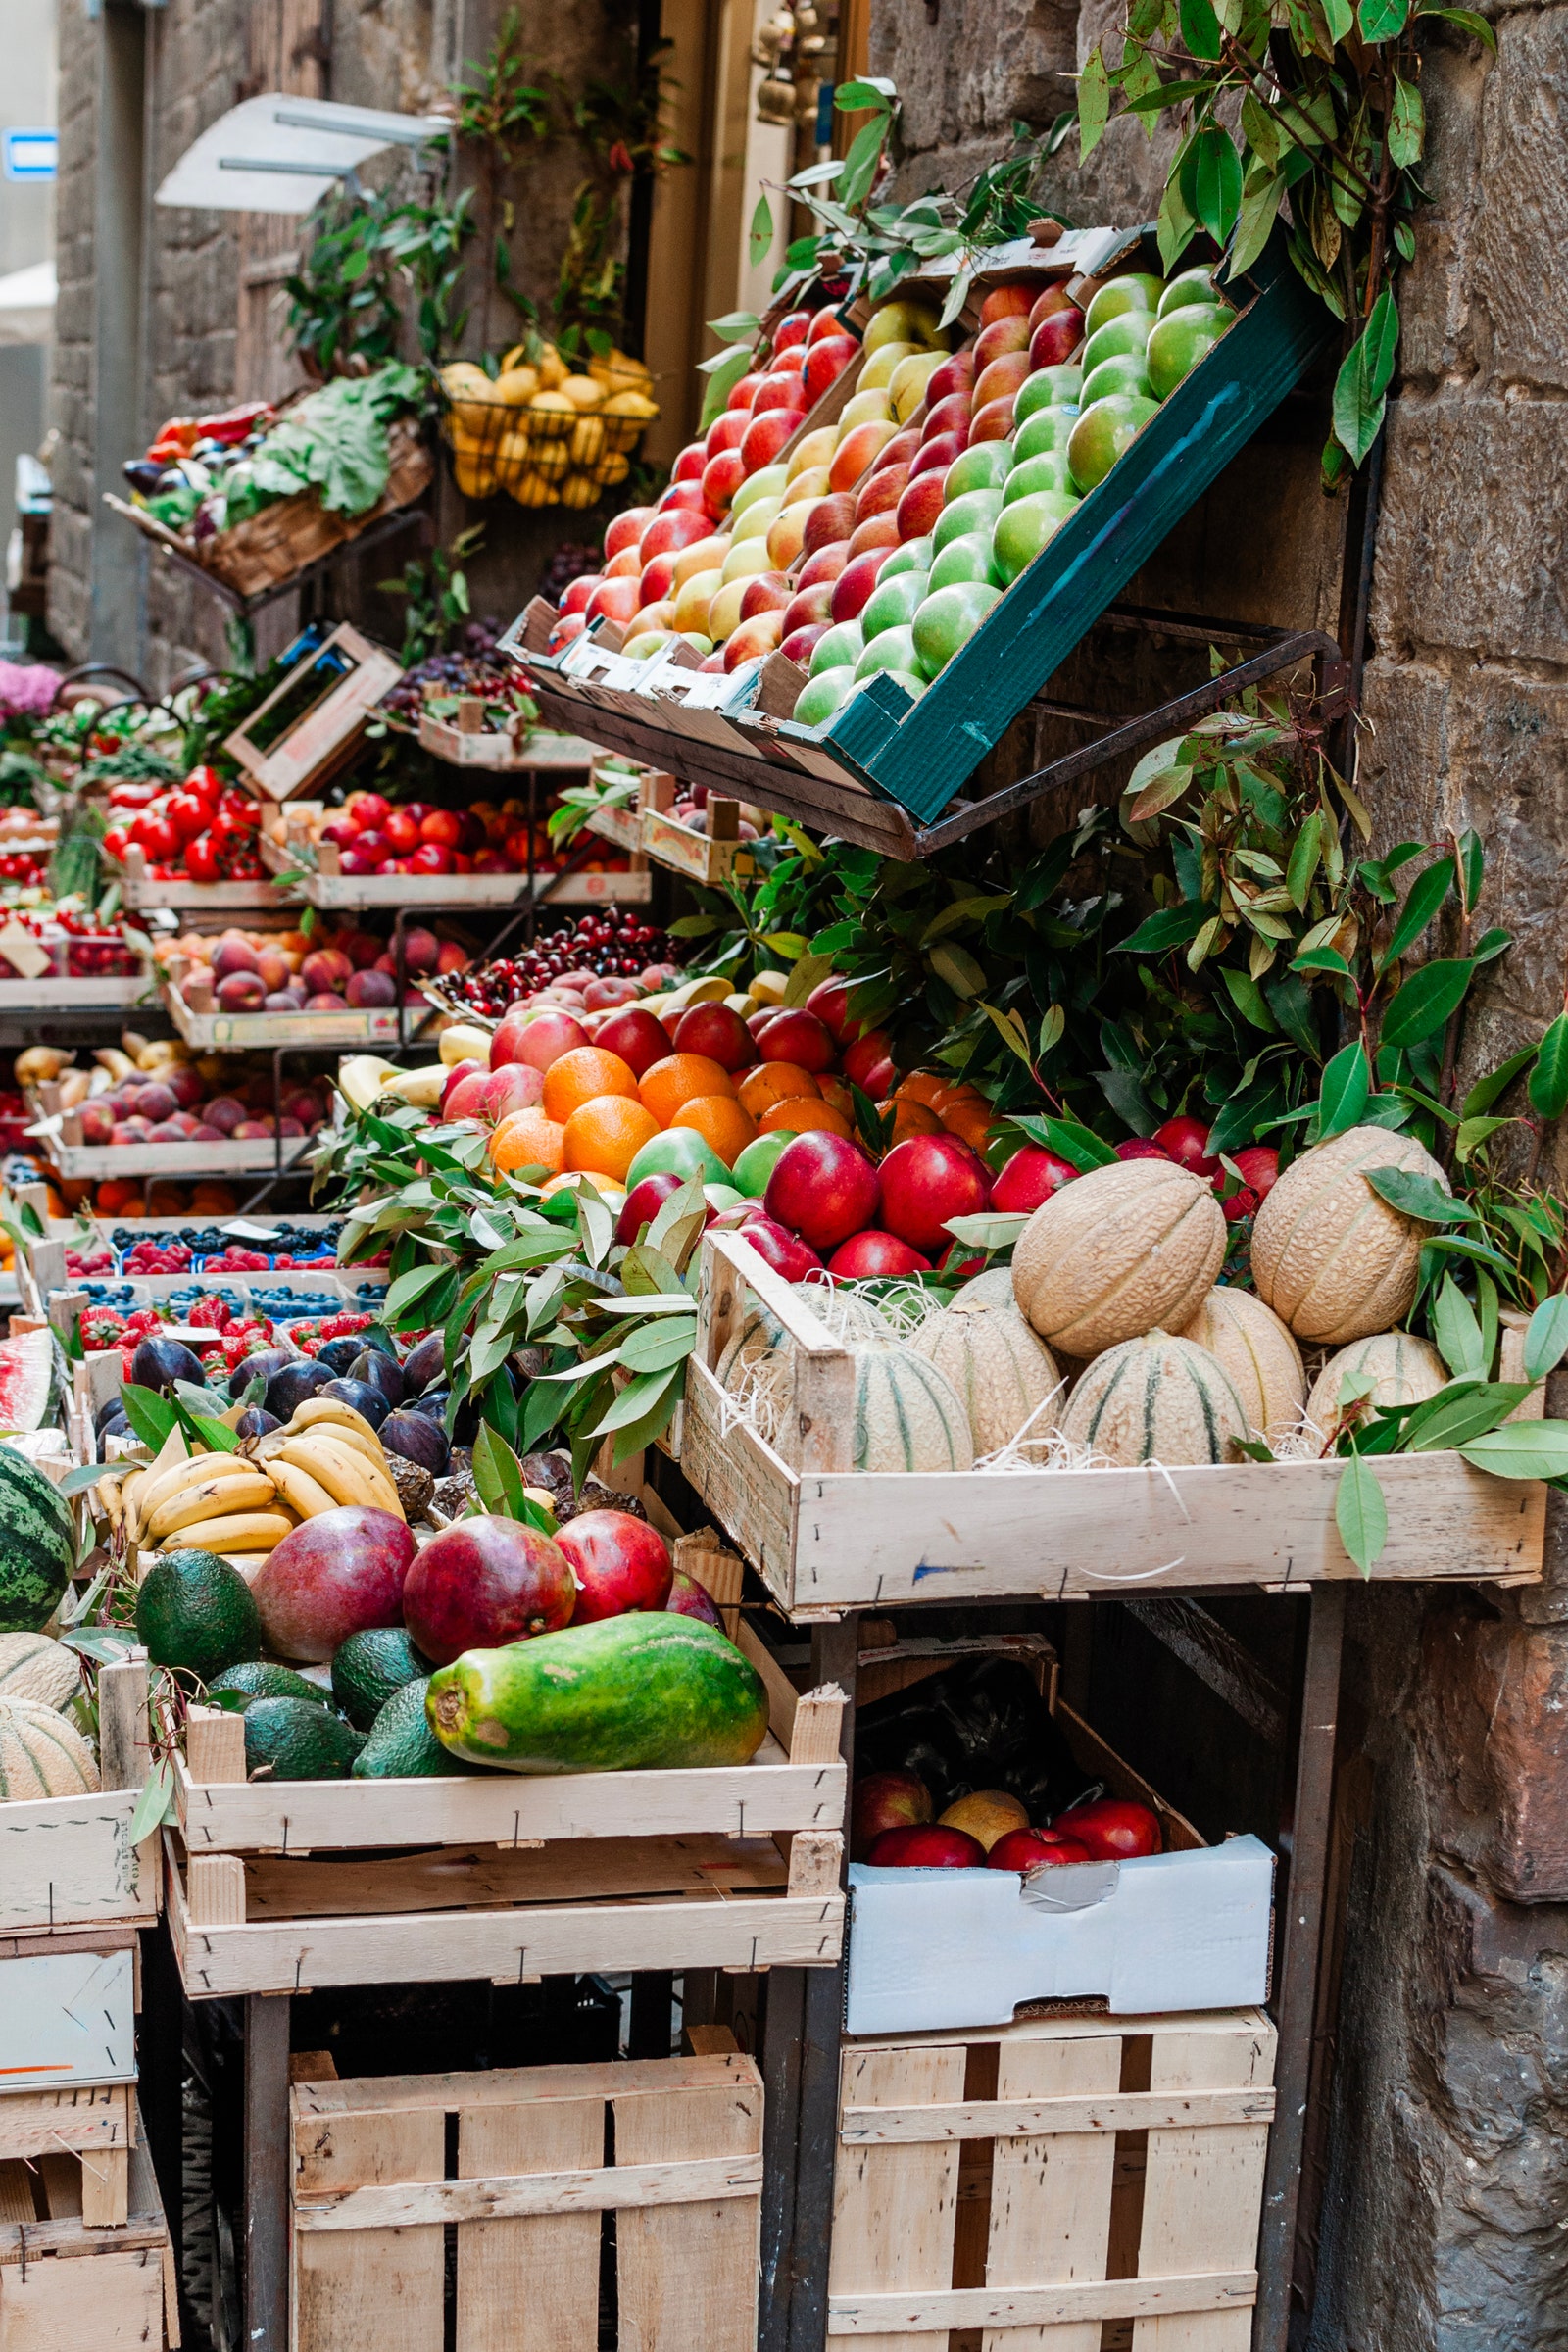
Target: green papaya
<point x="640" y="1693"/>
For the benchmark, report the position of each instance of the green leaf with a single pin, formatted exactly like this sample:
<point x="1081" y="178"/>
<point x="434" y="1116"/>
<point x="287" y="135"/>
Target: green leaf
<point x="1211" y="180"/>
<point x="1472" y="1134"/>
<point x="1420" y="1197"/>
<point x="1456" y="1331"/>
<point x="1009" y="1027"/>
<point x="1426" y="897"/>
<point x="1171" y="927"/>
<point x="1175" y="227"/>
<point x="1447" y="1421"/>
<point x="661" y="1346"/>
<point x="1406" y="131"/>
<point x="150" y="1415"/>
<point x="1289" y="1001"/>
<point x="1360" y="1513"/>
<point x="1466" y="20"/>
<point x="1322" y="959"/>
<point x="636" y="1399"/>
<point x="860" y="164"/>
<point x="1546" y="1337"/>
<point x="723" y="372"/>
<point x="1199" y="28"/>
<point x="409" y="1287"/>
<point x="156" y="1805"/>
<point x="1521" y="1449"/>
<point x="1427" y="1001"/>
<point x="1094" y="104"/>
<point x="1364" y="377"/>
<point x="1486" y="1091"/>
<point x="987" y="1232"/>
<point x="498" y="1474"/>
<point x="958" y="968"/>
<point x="1339" y="15"/>
<point x="1306" y="851"/>
<point x="1343" y="1094"/>
<point x="854" y="97"/>
<point x="736" y="327"/>
<point x="1079" y="1146"/>
<point x="1383" y="19"/>
<point x="1549" y="1080"/>
<point x="759" y="236"/>
<point x="1248" y="999"/>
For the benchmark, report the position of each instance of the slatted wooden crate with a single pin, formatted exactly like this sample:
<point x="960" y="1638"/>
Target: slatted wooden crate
<point x="70" y="2281"/>
<point x="82" y="2142"/>
<point x="1062" y="2180"/>
<point x="68" y="1861"/>
<point x="539" y="2171"/>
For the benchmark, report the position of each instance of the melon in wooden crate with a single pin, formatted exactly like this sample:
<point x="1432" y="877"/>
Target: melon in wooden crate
<point x="1118" y="1253"/>
<point x="1329" y="1253"/>
<point x="1157" y="1398"/>
<point x="904" y="1414"/>
<point x="1258" y="1353"/>
<point x="41" y="1756"/>
<point x="1403" y="1370"/>
<point x="1001" y="1371"/>
<point x="37" y="1669"/>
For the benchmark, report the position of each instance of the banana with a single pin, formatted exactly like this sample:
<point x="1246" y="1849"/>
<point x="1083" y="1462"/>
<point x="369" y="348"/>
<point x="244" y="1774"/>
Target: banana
<point x="194" y="1471"/>
<point x="299" y="1490"/>
<point x="213" y="1497"/>
<point x="119" y="1066"/>
<point x="360" y="1444"/>
<point x="332" y="1410"/>
<point x="107" y="1492"/>
<point x="463" y="1041"/>
<point x="423" y="1088"/>
<point x="344" y="1471"/>
<point x="364" y="1076"/>
<point x="239" y="1530"/>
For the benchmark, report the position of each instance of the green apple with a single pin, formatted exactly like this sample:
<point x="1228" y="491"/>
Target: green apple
<point x="892" y="602"/>
<point x="909" y="679"/>
<point x="768" y="483"/>
<point x="1123" y="373"/>
<point x="844" y="642"/>
<point x="647" y="643"/>
<point x="914" y="556"/>
<point x="722" y="1196"/>
<point x="1120" y="337"/>
<point x="1025" y="526"/>
<point x="948" y="620"/>
<point x="975" y="510"/>
<point x="1192" y="286"/>
<point x="1048" y="471"/>
<point x="1179" y="340"/>
<point x="697" y="641"/>
<point x="1103" y="434"/>
<point x="1047" y="388"/>
<point x="966" y="558"/>
<point x="1136" y="291"/>
<point x="822" y="694"/>
<point x="893" y="648"/>
<point x="756" y="1163"/>
<point x="1045" y="430"/>
<point x="678" y="1151"/>
<point x="983" y="466"/>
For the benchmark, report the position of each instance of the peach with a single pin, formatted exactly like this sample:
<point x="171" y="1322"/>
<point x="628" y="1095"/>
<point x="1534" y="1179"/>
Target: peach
<point x="999" y="380"/>
<point x="856" y="452"/>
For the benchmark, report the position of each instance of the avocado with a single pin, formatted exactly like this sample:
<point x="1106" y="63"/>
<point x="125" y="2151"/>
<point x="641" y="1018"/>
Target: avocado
<point x="295" y="1740"/>
<point x="369" y="1667"/>
<point x="262" y="1678"/>
<point x="403" y="1747"/>
<point x="194" y="1611"/>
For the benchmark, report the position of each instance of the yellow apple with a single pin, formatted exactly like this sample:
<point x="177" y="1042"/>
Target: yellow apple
<point x="816" y="449"/>
<point x="746" y="556"/>
<point x="693" y="597"/>
<point x="878" y="368"/>
<point x="703" y="555"/>
<point x="758" y="519"/>
<point x="905" y="321"/>
<point x="807" y="485"/>
<point x="724" y="612"/>
<point x="908" y="382"/>
<point x="866" y="407"/>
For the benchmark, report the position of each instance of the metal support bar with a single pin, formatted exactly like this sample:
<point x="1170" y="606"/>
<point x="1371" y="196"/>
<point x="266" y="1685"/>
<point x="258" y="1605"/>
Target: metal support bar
<point x="1301" y="1914"/>
<point x="266" y="2164"/>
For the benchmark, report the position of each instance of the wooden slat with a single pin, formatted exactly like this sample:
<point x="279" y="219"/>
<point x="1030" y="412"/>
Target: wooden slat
<point x="105" y="2187"/>
<point x="66" y="1860"/>
<point x="359" y="2290"/>
<point x="17" y="2207"/>
<point x="33" y="2123"/>
<point x="687" y="2277"/>
<point x="503" y="2086"/>
<point x="1129" y="2111"/>
<point x="1051" y="2197"/>
<point x="453" y="1879"/>
<point x="818" y="1726"/>
<point x="1203" y="2189"/>
<point x="874" y="2318"/>
<point x="113" y="2303"/>
<point x="706" y="2181"/>
<point x="529" y="2285"/>
<point x="895" y="2208"/>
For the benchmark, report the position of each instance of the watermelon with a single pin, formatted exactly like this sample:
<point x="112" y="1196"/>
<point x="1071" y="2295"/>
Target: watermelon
<point x="39" y="1550"/>
<point x="26" y="1378"/>
<point x="628" y="1693"/>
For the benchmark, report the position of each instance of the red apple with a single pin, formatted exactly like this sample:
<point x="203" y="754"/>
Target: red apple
<point x="539" y="1041"/>
<point x="1001" y="337"/>
<point x="690" y="1597"/>
<point x="865" y="1256"/>
<point x="1186" y="1141"/>
<point x="669" y="533"/>
<point x="754" y="638"/>
<point x="575" y="596"/>
<point x="1010" y="301"/>
<point x="744" y="391"/>
<point x="796" y="645"/>
<point x="823" y="1187"/>
<point x="343" y="1572"/>
<point x="856" y="452"/>
<point x="781" y="1249"/>
<point x="465" y="1099"/>
<point x="612" y="599"/>
<point x="1029" y="1178"/>
<point x="851" y="590"/>
<point x="766" y="435"/>
<point x="956" y="375"/>
<point x="643" y="1202"/>
<point x="885" y="1800"/>
<point x="561" y="634"/>
<point x="780" y="388"/>
<point x="717" y="1031"/>
<point x="1054" y="298"/>
<point x="727" y="431"/>
<point x="1138" y="1147"/>
<point x="808" y="605"/>
<point x="723" y="476"/>
<point x="1032" y="1849"/>
<point x="825" y="362"/>
<point x="1056" y="338"/>
<point x="797" y="1036"/>
<point x="880" y="493"/>
<point x="480" y="1583"/>
<point x="688" y="467"/>
<point x="822" y="569"/>
<point x="517" y="1086"/>
<point x="926" y="1845"/>
<point x="766" y="592"/>
<point x="1259" y="1164"/>
<point x="621" y="1566"/>
<point x="861" y="1055"/>
<point x="624" y="530"/>
<point x="993" y="422"/>
<point x="927" y="1180"/>
<point x="829" y="999"/>
<point x="627" y="566"/>
<point x="1114" y="1829"/>
<point x="899" y="450"/>
<point x="876" y="531"/>
<point x="791" y="331"/>
<point x="949" y="416"/>
<point x="658" y="578"/>
<point x="687" y="497"/>
<point x="827" y="321"/>
<point x="829" y="521"/>
<point x="922" y="504"/>
<point x="936" y="457"/>
<point x="636" y="1036"/>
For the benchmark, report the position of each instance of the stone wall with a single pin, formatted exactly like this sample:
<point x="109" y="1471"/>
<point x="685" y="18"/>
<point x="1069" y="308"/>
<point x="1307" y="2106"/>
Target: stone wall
<point x="71" y="357"/>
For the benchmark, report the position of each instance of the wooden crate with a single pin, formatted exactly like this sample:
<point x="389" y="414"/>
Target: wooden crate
<point x="88" y="2133"/>
<point x="1061" y="2174"/>
<point x="68" y="1861"/>
<point x="139" y="890"/>
<point x="72" y="2282"/>
<point x="68" y="2014"/>
<point x="371" y="2202"/>
<point x="827" y="1539"/>
<point x="710" y="856"/>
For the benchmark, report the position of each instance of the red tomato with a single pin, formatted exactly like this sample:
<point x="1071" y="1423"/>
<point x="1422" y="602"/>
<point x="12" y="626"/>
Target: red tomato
<point x="189" y="814"/>
<point x="201" y="858"/>
<point x="443" y="827"/>
<point x="205" y="780"/>
<point x="156" y="837"/>
<point x="116" y="840"/>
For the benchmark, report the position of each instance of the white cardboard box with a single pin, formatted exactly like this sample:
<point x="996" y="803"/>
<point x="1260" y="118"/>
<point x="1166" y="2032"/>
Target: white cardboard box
<point x="66" y="2018"/>
<point x="933" y="1948"/>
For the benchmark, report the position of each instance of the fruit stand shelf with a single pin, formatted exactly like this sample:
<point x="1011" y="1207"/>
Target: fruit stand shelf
<point x="141" y="891"/>
<point x="827" y="1539"/>
<point x="325" y="884"/>
<point x="115" y="994"/>
<point x="469" y="744"/>
<point x="97" y="1162"/>
<point x="235" y="1032"/>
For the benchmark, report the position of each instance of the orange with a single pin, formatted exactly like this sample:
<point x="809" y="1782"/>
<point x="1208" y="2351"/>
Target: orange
<point x="970" y="1119"/>
<point x="585" y="1075"/>
<point x="798" y="1113"/>
<point x="570" y="1178"/>
<point x="720" y="1121"/>
<point x="680" y="1078"/>
<point x="528" y="1140"/>
<point x="772" y="1082"/>
<point x="911" y="1118"/>
<point x="928" y="1087"/>
<point x="604" y="1135"/>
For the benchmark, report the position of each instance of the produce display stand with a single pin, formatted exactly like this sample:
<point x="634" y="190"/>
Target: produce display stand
<point x="77" y="2277"/>
<point x="467" y="742"/>
<point x="141" y="891"/>
<point x="314" y="871"/>
<point x="193" y="1008"/>
<point x="112" y="993"/>
<point x="67" y="1862"/>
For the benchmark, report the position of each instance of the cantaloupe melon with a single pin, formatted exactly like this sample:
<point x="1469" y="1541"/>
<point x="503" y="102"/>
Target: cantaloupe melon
<point x="36" y="1669"/>
<point x="758" y="1332"/>
<point x="1329" y="1253"/>
<point x="1258" y="1353"/>
<point x="1157" y="1399"/>
<point x="1403" y="1369"/>
<point x="1118" y="1253"/>
<point x="905" y="1414"/>
<point x="41" y="1756"/>
<point x="1001" y="1370"/>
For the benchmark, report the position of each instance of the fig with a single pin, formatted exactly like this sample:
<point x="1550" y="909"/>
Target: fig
<point x="159" y="1363"/>
<point x="420" y="1438"/>
<point x="368" y="1402"/>
<point x="288" y="1387"/>
<point x="379" y="1371"/>
<point x="424" y="1362"/>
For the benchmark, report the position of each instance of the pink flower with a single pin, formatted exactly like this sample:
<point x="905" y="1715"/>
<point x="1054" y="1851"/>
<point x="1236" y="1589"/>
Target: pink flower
<point x="26" y="690"/>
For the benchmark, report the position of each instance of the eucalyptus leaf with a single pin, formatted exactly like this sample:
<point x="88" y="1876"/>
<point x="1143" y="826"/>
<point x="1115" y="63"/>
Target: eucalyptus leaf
<point x="1521" y="1449"/>
<point x="1360" y="1513"/>
<point x="1546" y="1337"/>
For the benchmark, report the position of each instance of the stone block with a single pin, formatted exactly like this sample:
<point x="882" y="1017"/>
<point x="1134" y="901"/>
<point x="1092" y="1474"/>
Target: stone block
<point x="971" y="69"/>
<point x="1518" y="265"/>
<point x="1492" y="1734"/>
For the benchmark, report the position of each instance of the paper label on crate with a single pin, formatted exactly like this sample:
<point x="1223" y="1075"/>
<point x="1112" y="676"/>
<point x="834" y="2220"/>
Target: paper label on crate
<point x="1070" y="1885"/>
<point x="22" y="952"/>
<point x="244" y="1231"/>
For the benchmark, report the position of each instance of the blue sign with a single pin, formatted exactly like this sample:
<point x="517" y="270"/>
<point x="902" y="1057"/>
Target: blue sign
<point x="31" y="154"/>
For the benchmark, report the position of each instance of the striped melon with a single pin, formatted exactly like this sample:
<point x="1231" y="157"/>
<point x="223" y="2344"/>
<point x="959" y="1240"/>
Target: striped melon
<point x="39" y="1548"/>
<point x="1329" y="1253"/>
<point x="1002" y="1372"/>
<point x="1406" y="1371"/>
<point x="1258" y="1353"/>
<point x="1118" y="1253"/>
<point x="35" y="1668"/>
<point x="41" y="1756"/>
<point x="906" y="1414"/>
<point x="993" y="1287"/>
<point x="760" y="1332"/>
<point x="1157" y="1399"/>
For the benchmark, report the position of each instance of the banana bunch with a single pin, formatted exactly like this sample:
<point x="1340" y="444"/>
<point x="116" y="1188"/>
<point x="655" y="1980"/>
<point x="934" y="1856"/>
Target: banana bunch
<point x="325" y="1457"/>
<point x="361" y="1077"/>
